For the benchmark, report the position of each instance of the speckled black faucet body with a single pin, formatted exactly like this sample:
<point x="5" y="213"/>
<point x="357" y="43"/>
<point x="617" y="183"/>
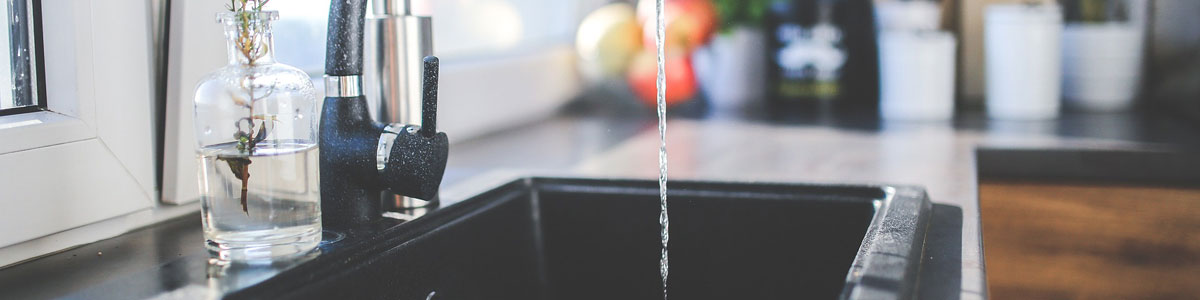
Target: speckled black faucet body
<point x="350" y="147"/>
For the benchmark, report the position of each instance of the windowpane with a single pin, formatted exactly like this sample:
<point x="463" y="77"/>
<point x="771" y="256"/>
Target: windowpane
<point x="19" y="63"/>
<point x="300" y="33"/>
<point x="462" y="28"/>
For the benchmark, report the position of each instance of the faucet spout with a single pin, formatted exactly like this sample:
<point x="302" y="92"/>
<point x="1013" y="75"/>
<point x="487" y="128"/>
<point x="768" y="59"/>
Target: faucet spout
<point x="360" y="158"/>
<point x="344" y="43"/>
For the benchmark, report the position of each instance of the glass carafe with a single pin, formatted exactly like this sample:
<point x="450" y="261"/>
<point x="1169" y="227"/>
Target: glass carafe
<point x="256" y="124"/>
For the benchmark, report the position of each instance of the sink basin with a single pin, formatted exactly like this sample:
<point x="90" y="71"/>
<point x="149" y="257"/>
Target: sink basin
<point x="553" y="238"/>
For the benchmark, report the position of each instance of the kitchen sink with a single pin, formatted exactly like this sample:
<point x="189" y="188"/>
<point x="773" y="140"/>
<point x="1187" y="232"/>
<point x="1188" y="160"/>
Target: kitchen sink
<point x="557" y="238"/>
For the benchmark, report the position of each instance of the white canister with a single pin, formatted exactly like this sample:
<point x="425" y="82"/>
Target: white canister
<point x="1023" y="61"/>
<point x="730" y="69"/>
<point x="916" y="71"/>
<point x="907" y="15"/>
<point x="1102" y="65"/>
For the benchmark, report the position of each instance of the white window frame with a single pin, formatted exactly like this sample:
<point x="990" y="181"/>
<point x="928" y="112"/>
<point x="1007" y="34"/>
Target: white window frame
<point x="84" y="169"/>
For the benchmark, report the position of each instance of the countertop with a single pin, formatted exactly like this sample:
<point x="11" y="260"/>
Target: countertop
<point x="938" y="156"/>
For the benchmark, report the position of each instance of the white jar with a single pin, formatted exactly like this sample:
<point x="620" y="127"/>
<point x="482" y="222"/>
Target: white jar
<point x="1102" y="65"/>
<point x="1023" y="61"/>
<point x="916" y="71"/>
<point x="730" y="69"/>
<point x="908" y="15"/>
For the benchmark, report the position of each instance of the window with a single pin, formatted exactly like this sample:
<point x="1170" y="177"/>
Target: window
<point x="18" y="70"/>
<point x="80" y="149"/>
<point x="463" y="29"/>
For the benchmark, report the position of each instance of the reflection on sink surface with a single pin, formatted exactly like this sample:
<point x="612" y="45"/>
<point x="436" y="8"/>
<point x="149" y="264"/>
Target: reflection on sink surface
<point x="599" y="239"/>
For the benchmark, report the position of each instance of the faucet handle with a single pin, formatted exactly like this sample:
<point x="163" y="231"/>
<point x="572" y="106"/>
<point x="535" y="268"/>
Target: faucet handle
<point x="412" y="161"/>
<point x="429" y="96"/>
<point x="416" y="164"/>
<point x="415" y="161"/>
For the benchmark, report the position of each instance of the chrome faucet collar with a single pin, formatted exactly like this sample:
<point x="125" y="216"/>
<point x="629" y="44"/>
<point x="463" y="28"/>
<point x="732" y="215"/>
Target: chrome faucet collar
<point x="343" y="86"/>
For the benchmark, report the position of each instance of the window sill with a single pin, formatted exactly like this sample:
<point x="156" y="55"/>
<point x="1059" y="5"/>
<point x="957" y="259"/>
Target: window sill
<point x="40" y="129"/>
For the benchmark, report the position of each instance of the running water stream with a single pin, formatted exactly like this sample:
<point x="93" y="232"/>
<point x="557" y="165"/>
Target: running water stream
<point x="660" y="84"/>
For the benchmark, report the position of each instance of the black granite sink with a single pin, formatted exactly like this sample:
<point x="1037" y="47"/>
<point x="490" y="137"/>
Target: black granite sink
<point x="540" y="238"/>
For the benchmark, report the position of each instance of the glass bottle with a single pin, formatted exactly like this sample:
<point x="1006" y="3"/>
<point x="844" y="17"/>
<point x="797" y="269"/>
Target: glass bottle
<point x="256" y="125"/>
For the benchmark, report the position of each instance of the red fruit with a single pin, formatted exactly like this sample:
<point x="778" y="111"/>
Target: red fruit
<point x="680" y="80"/>
<point x="689" y="22"/>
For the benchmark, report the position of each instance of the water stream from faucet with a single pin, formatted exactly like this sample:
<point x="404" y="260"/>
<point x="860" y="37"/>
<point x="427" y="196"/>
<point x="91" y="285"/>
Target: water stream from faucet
<point x="660" y="85"/>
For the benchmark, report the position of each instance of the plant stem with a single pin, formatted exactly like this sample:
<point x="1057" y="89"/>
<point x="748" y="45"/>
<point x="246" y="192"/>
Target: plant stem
<point x="245" y="188"/>
<point x="249" y="42"/>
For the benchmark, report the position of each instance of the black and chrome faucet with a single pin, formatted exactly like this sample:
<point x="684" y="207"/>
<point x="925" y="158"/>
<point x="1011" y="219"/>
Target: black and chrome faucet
<point x="361" y="158"/>
<point x="396" y="40"/>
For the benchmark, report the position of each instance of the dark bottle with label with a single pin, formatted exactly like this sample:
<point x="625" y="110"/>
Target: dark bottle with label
<point x="821" y="57"/>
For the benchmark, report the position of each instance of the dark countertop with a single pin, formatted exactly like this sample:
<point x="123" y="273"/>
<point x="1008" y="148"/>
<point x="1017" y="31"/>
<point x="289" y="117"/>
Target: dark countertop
<point x="168" y="260"/>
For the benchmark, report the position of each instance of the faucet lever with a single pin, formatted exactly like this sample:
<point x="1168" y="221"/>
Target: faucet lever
<point x="429" y="97"/>
<point x="417" y="160"/>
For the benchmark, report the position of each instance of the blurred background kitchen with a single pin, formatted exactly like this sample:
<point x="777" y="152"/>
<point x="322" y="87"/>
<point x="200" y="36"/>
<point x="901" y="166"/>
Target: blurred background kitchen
<point x="1118" y="69"/>
<point x="851" y="63"/>
<point x="1069" y="125"/>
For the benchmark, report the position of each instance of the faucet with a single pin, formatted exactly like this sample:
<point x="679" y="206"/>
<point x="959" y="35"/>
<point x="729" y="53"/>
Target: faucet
<point x="396" y="42"/>
<point x="359" y="157"/>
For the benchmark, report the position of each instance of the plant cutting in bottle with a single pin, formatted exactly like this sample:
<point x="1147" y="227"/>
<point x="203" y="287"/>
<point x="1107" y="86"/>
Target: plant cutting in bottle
<point x="251" y="44"/>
